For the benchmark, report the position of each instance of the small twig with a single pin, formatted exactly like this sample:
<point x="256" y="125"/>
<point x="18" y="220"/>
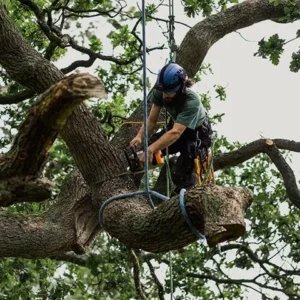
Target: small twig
<point x="136" y="275"/>
<point x="160" y="287"/>
<point x="244" y="37"/>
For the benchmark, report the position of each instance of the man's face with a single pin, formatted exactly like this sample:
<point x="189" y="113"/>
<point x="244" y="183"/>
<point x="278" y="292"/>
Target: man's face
<point x="168" y="97"/>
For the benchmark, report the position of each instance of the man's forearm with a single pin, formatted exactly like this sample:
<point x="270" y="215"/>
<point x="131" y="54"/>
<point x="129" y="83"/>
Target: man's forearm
<point x="164" y="141"/>
<point x="151" y="127"/>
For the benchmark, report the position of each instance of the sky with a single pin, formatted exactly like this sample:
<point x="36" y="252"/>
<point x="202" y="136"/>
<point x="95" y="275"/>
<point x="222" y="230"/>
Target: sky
<point x="262" y="99"/>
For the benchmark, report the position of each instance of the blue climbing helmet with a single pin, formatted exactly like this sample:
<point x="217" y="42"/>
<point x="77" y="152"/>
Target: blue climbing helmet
<point x="171" y="78"/>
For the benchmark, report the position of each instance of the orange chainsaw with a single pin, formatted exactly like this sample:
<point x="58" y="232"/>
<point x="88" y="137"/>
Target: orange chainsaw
<point x="133" y="160"/>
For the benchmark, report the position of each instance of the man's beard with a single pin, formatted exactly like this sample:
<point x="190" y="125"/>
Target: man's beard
<point x="175" y="101"/>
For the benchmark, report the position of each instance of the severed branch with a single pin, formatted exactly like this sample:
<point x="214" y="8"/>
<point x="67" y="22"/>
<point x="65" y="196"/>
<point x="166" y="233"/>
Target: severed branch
<point x="217" y="212"/>
<point x="46" y="118"/>
<point x="22" y="164"/>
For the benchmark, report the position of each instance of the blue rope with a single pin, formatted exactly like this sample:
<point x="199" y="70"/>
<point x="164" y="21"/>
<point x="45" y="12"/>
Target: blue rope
<point x="122" y="196"/>
<point x="186" y="217"/>
<point x="147" y="190"/>
<point x="145" y="103"/>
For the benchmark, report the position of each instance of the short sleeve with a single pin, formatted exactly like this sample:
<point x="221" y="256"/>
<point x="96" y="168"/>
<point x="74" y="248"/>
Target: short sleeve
<point x="189" y="116"/>
<point x="193" y="113"/>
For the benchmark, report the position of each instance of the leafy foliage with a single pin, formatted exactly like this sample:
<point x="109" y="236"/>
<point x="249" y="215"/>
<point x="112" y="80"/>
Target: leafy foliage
<point x="272" y="48"/>
<point x="192" y="8"/>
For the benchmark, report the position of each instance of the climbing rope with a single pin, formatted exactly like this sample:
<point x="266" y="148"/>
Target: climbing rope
<point x="173" y="48"/>
<point x="147" y="192"/>
<point x="186" y="217"/>
<point x="172" y="43"/>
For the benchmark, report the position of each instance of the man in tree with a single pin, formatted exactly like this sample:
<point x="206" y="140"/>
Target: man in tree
<point x="189" y="129"/>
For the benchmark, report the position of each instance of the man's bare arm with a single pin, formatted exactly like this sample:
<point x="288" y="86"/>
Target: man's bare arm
<point x="168" y="138"/>
<point x="151" y="122"/>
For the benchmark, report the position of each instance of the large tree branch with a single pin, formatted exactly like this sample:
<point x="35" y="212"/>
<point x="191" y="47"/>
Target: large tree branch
<point x="27" y="156"/>
<point x="217" y="212"/>
<point x="42" y="124"/>
<point x="69" y="225"/>
<point x="270" y="147"/>
<point x="204" y="34"/>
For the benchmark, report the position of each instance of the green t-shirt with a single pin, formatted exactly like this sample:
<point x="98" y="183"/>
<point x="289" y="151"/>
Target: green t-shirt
<point x="191" y="114"/>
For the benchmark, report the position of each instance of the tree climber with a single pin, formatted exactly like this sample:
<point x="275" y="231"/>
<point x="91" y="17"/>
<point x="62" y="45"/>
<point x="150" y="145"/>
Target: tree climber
<point x="189" y="129"/>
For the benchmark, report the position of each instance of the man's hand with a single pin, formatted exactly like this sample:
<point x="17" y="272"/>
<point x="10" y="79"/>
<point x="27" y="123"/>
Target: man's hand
<point x="136" y="141"/>
<point x="150" y="157"/>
